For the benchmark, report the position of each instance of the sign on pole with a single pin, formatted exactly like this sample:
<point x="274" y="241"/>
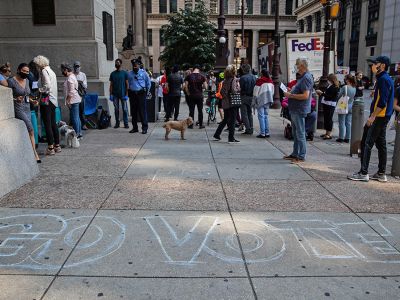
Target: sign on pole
<point x="242" y="52"/>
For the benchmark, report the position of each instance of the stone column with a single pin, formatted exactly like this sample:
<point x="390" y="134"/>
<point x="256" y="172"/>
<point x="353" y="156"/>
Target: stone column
<point x="381" y="25"/>
<point x="156" y="50"/>
<point x="314" y="22"/>
<point x="231" y="46"/>
<point x="347" y="34"/>
<point x="254" y="57"/>
<point x="361" y="62"/>
<point x="138" y="24"/>
<point x="322" y="20"/>
<point x="120" y="22"/>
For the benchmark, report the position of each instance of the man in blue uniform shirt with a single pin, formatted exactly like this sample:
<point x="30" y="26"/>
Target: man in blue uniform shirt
<point x="139" y="86"/>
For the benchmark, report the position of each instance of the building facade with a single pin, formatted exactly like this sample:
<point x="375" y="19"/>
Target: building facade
<point x="364" y="28"/>
<point x="258" y="24"/>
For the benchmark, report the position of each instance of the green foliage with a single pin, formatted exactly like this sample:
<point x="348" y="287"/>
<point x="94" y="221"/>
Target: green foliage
<point x="189" y="38"/>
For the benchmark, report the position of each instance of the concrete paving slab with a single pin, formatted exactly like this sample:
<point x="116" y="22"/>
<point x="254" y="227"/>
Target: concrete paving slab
<point x="247" y="169"/>
<point x="280" y="195"/>
<point x="35" y="241"/>
<point x="149" y="288"/>
<point x="61" y="192"/>
<point x="314" y="244"/>
<point x="387" y="225"/>
<point x="116" y="139"/>
<point x="23" y="287"/>
<point x="369" y="196"/>
<point x="101" y="150"/>
<point x="330" y="170"/>
<point x="165" y="244"/>
<point x="344" y="288"/>
<point x="167" y="194"/>
<point x="259" y="151"/>
<point x="178" y="149"/>
<point x="172" y="168"/>
<point x="85" y="166"/>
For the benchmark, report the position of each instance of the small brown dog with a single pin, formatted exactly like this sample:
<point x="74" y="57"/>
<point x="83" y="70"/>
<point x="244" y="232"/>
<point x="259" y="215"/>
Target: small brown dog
<point x="177" y="125"/>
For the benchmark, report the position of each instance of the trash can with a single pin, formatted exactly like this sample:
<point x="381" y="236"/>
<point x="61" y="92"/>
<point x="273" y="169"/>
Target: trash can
<point x="357" y="126"/>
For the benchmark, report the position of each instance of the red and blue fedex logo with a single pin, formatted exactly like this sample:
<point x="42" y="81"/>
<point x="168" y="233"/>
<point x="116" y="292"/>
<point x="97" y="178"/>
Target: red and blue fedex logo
<point x="315" y="44"/>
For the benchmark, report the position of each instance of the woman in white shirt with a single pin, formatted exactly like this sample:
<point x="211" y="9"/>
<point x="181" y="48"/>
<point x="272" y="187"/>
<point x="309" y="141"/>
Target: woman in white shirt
<point x="48" y="104"/>
<point x="72" y="98"/>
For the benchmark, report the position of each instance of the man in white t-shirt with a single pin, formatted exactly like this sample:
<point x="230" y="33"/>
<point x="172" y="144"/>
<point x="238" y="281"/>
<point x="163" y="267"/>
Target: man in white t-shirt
<point x="82" y="80"/>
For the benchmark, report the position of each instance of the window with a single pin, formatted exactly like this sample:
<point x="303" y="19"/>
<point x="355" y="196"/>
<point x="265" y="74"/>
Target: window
<point x="273" y="7"/>
<point x="264" y="7"/>
<point x="318" y="25"/>
<point x="249" y="7"/>
<point x="162" y="41"/>
<point x="226" y="4"/>
<point x="289" y="7"/>
<point x="189" y="4"/>
<point x="43" y="12"/>
<point x="309" y="23"/>
<point x="149" y="7"/>
<point x="163" y="6"/>
<point x="108" y="38"/>
<point x="149" y="37"/>
<point x="173" y="6"/>
<point x="214" y="6"/>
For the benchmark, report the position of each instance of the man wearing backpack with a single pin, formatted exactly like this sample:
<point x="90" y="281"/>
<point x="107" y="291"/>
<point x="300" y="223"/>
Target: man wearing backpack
<point x="82" y="87"/>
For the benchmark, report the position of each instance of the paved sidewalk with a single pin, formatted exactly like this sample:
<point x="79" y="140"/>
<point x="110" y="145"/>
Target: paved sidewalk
<point x="132" y="216"/>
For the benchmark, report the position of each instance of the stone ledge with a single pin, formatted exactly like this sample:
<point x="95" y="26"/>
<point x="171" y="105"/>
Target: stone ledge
<point x="6" y="104"/>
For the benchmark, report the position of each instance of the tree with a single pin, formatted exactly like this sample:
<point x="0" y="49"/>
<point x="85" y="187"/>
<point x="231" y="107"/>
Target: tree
<point x="189" y="38"/>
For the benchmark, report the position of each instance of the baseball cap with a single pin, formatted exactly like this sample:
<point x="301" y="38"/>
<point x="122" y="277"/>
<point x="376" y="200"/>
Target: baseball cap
<point x="77" y="64"/>
<point x="380" y="59"/>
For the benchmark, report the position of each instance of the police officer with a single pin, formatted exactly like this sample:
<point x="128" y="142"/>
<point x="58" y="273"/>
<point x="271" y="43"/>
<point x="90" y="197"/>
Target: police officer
<point x="139" y="86"/>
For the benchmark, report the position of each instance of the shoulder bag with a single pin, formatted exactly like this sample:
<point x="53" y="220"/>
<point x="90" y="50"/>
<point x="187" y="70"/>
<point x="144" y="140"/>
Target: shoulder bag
<point x="234" y="97"/>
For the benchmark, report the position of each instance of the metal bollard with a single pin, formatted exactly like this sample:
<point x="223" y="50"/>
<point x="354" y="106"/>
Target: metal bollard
<point x="396" y="153"/>
<point x="357" y="126"/>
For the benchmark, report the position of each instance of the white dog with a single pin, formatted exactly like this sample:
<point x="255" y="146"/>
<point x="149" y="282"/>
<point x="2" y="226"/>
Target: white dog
<point x="68" y="136"/>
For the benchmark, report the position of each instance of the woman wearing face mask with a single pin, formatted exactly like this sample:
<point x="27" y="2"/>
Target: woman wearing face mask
<point x="48" y="104"/>
<point x="20" y="88"/>
<point x="72" y="98"/>
<point x="329" y="100"/>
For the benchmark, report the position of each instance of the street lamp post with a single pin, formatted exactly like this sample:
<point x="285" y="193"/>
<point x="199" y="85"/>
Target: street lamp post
<point x="221" y="38"/>
<point x="275" y="66"/>
<point x="323" y="81"/>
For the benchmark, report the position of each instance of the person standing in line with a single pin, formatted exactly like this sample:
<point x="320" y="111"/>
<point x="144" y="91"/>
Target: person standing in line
<point x="72" y="98"/>
<point x="359" y="86"/>
<point x="186" y="89"/>
<point x="329" y="101"/>
<point x="164" y="86"/>
<point x="82" y="81"/>
<point x="230" y="84"/>
<point x="119" y="92"/>
<point x="247" y="84"/>
<point x="381" y="111"/>
<point x="299" y="106"/>
<point x="263" y="97"/>
<point x="5" y="72"/>
<point x="160" y="92"/>
<point x="139" y="86"/>
<point x="174" y="86"/>
<point x="20" y="89"/>
<point x="196" y="83"/>
<point x="48" y="104"/>
<point x="349" y="90"/>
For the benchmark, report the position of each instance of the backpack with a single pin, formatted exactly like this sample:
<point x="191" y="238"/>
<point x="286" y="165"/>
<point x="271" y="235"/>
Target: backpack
<point x="81" y="89"/>
<point x="104" y="120"/>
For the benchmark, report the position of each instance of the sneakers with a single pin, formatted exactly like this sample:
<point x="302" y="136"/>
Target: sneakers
<point x="50" y="151"/>
<point x="57" y="149"/>
<point x="234" y="141"/>
<point x="359" y="177"/>
<point x="379" y="177"/>
<point x="216" y="138"/>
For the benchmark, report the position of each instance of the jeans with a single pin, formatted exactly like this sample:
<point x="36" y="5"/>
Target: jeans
<point x="263" y="119"/>
<point x="375" y="134"/>
<point x="173" y="106"/>
<point x="196" y="101"/>
<point x="247" y="117"/>
<point x="74" y="118"/>
<point x="299" y="135"/>
<point x="344" y="126"/>
<point x="310" y="121"/>
<point x="229" y="119"/>
<point x="124" y="110"/>
<point x="138" y="105"/>
<point x="329" y="111"/>
<point x="48" y="115"/>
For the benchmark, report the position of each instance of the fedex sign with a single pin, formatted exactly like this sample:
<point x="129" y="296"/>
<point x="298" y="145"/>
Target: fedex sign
<point x="315" y="44"/>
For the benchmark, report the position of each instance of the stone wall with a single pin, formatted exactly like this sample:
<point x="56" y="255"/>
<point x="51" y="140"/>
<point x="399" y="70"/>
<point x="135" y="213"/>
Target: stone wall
<point x="17" y="161"/>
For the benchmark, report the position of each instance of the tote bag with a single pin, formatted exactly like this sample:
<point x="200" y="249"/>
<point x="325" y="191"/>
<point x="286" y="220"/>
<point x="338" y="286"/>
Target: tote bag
<point x="342" y="107"/>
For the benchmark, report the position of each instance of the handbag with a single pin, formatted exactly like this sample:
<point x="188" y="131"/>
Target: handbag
<point x="342" y="106"/>
<point x="234" y="98"/>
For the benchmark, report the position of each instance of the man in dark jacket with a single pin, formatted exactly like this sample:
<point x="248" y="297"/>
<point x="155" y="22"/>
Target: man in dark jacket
<point x="174" y="86"/>
<point x="247" y="83"/>
<point x="375" y="129"/>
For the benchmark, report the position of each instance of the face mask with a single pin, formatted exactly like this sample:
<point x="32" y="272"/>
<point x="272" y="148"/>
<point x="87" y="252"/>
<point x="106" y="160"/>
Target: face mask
<point x="23" y="75"/>
<point x="136" y="69"/>
<point x="77" y="69"/>
<point x="117" y="65"/>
